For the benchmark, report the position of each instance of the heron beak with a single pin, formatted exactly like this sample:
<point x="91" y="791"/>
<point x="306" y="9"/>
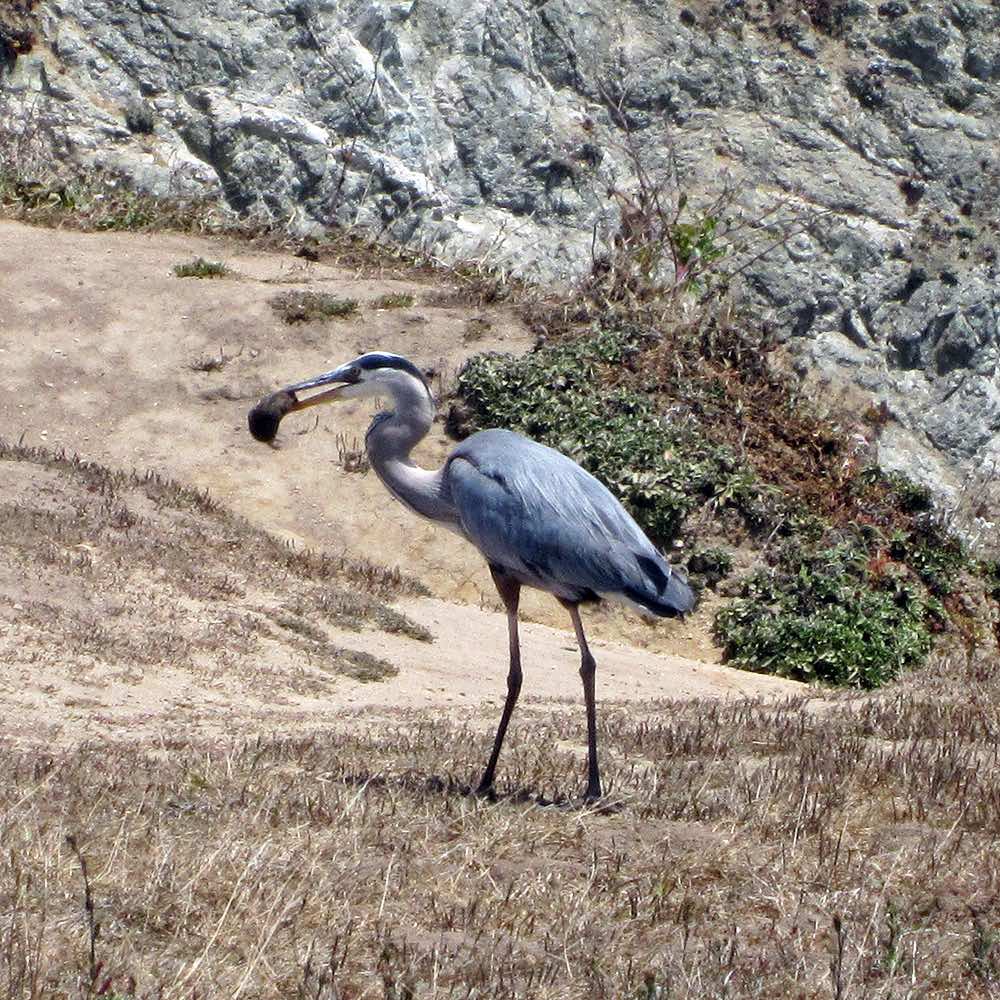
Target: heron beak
<point x="264" y="418"/>
<point x="321" y="397"/>
<point x="337" y="376"/>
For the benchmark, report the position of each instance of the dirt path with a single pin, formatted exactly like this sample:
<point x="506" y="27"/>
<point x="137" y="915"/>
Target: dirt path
<point x="100" y="351"/>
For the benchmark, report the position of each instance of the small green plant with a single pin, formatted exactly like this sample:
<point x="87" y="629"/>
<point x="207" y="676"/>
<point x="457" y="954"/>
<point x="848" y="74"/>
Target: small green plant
<point x="695" y="249"/>
<point x="651" y="989"/>
<point x="201" y="268"/>
<point x="129" y="213"/>
<point x="306" y="307"/>
<point x="713" y="564"/>
<point x="911" y="497"/>
<point x="99" y="204"/>
<point x="28" y="194"/>
<point x="891" y="953"/>
<point x="988" y="571"/>
<point x="394" y="300"/>
<point x="476" y="328"/>
<point x="656" y="255"/>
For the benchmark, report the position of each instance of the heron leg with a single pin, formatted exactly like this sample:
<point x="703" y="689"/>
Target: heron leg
<point x="588" y="668"/>
<point x="510" y="593"/>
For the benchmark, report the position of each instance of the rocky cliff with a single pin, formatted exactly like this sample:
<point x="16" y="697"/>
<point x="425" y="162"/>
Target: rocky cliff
<point x="860" y="139"/>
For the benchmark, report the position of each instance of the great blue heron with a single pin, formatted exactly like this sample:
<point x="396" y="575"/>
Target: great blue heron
<point x="538" y="518"/>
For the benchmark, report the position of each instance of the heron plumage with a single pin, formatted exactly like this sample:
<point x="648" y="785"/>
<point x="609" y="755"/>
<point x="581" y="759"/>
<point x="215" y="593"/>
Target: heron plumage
<point x="548" y="522"/>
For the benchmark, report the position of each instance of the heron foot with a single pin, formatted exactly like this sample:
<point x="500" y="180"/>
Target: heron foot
<point x="486" y="791"/>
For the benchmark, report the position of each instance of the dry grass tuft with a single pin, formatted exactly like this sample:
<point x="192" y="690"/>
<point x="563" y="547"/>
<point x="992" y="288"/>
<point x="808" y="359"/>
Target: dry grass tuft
<point x="745" y="851"/>
<point x="309" y="307"/>
<point x="131" y="572"/>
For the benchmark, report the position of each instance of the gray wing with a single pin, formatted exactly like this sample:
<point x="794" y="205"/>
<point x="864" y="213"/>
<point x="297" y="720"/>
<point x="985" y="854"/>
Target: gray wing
<point x="535" y="513"/>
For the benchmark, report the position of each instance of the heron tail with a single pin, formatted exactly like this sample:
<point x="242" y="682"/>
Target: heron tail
<point x="670" y="595"/>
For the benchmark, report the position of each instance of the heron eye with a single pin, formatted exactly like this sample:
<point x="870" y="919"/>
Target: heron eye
<point x="354" y="374"/>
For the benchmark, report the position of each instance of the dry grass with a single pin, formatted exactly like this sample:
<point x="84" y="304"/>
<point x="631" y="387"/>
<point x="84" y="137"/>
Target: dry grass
<point x="736" y="840"/>
<point x="134" y="571"/>
<point x="249" y="547"/>
<point x="838" y="847"/>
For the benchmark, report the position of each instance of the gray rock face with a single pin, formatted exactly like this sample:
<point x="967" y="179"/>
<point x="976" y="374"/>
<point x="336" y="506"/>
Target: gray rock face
<point x="862" y="141"/>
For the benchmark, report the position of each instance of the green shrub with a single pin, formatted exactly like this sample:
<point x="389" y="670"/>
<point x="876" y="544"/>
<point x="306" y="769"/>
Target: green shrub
<point x="824" y="614"/>
<point x="904" y="495"/>
<point x="713" y="564"/>
<point x="850" y="595"/>
<point x="989" y="571"/>
<point x="935" y="557"/>
<point x="911" y="497"/>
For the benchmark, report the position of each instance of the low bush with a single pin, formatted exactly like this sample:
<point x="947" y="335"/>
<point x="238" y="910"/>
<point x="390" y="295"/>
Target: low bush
<point x="712" y="564"/>
<point x="934" y="556"/>
<point x="831" y="614"/>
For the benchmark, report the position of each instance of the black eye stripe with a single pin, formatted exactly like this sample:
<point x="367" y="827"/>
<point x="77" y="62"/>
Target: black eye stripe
<point x="372" y="362"/>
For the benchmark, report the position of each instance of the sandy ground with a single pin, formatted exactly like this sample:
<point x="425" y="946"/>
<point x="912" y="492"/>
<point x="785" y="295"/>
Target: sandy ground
<point x="99" y="346"/>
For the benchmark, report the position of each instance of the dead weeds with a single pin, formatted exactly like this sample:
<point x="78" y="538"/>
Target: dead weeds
<point x="745" y="851"/>
<point x="134" y="571"/>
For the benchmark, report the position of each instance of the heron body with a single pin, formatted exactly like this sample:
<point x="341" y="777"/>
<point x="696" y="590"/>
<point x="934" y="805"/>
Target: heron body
<point x="551" y="525"/>
<point x="538" y="518"/>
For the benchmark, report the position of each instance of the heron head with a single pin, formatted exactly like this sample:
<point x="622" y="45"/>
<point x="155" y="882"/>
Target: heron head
<point x="371" y="374"/>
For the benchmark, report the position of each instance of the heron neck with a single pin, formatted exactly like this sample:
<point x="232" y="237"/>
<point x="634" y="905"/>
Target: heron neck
<point x="390" y="439"/>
